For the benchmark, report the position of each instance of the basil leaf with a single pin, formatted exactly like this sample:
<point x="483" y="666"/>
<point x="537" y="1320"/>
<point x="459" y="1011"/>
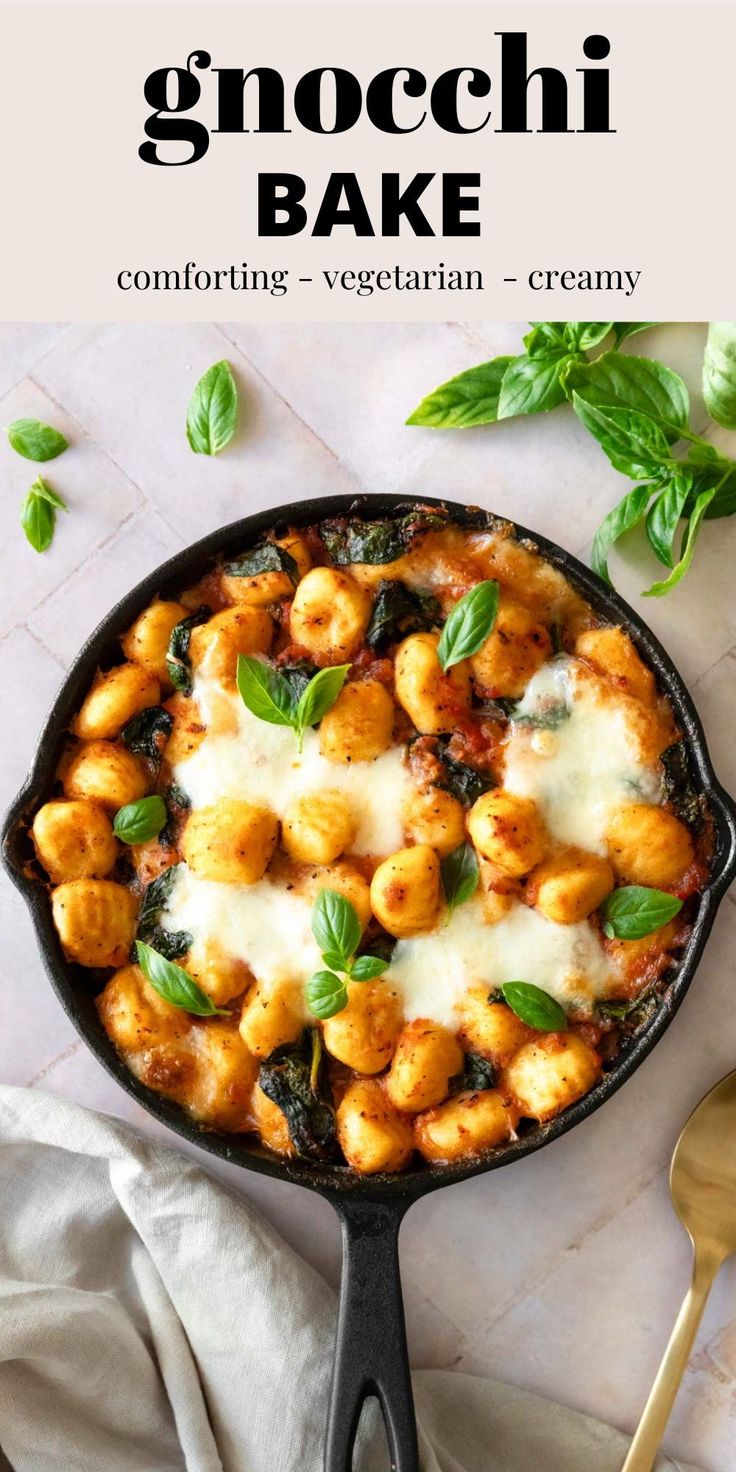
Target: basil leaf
<point x="531" y="386"/>
<point x="547" y="340"/>
<point x="264" y="691"/>
<point x="587" y="334"/>
<point x="266" y="557"/>
<point x="169" y="943"/>
<point x="664" y="516"/>
<point x="38" y="514"/>
<point x="335" y="925"/>
<point x="633" y="442"/>
<point x="295" y="1079"/>
<point x="146" y="733"/>
<point x="467" y="399"/>
<point x="36" y="441"/>
<point x="320" y="694"/>
<point x="350" y="539"/>
<point x="622" y="381"/>
<point x="657" y="590"/>
<point x="398" y="611"/>
<point x="141" y="820"/>
<point x="327" y="994"/>
<point x="627" y="514"/>
<point x="460" y="877"/>
<point x="628" y="329"/>
<point x="177" y="655"/>
<point x="213" y="410"/>
<point x="635" y="911"/>
<point x="175" y="984"/>
<point x="367" y="968"/>
<point x="534" y="1006"/>
<point x="468" y="624"/>
<point x="478" y="1073"/>
<point x="719" y="373"/>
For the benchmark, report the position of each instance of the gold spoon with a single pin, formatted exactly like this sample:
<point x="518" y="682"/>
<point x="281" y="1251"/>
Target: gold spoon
<point x="703" y="1186"/>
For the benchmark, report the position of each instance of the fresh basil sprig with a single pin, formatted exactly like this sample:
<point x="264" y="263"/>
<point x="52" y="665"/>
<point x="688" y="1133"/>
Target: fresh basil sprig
<point x="638" y="410"/>
<point x="36" y="441"/>
<point x="468" y="624"/>
<point x="534" y="1006"/>
<point x="213" y="410"/>
<point x="175" y="984"/>
<point x="634" y="911"/>
<point x="337" y="931"/>
<point x="268" y="695"/>
<point x="460" y="877"/>
<point x="141" y="820"/>
<point x="38" y="514"/>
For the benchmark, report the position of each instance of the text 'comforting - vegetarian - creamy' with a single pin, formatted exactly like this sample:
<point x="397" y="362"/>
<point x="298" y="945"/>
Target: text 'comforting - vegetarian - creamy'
<point x="387" y="841"/>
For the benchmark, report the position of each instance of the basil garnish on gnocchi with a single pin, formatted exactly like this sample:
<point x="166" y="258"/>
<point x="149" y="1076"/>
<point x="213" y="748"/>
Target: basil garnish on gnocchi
<point x="328" y="804"/>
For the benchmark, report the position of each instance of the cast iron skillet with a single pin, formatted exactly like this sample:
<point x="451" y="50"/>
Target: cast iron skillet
<point x="371" y="1355"/>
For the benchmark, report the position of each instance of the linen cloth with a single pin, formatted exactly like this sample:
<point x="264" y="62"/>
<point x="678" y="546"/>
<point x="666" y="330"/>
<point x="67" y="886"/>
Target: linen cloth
<point x="150" y="1321"/>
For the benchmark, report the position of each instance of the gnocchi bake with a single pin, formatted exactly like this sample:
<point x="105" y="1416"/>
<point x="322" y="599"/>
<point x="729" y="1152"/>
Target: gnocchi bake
<point x="376" y="844"/>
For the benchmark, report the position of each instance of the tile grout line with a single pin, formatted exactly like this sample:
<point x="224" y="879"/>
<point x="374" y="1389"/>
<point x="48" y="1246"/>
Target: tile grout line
<point x="92" y="438"/>
<point x="131" y="517"/>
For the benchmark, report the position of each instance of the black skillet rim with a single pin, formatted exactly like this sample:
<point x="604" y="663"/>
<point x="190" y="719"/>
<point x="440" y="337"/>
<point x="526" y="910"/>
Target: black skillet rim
<point x="183" y="569"/>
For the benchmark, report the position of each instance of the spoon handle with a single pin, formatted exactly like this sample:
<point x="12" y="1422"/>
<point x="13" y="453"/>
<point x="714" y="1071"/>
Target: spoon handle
<point x="654" y="1418"/>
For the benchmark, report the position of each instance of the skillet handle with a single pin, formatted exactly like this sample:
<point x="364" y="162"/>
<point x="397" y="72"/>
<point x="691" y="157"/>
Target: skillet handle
<point x="371" y="1356"/>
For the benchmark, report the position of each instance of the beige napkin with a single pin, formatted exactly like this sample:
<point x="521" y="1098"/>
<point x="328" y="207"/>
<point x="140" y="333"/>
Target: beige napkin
<point x="152" y="1322"/>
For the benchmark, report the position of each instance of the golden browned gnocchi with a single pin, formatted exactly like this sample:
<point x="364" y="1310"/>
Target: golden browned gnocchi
<point x="371" y="914"/>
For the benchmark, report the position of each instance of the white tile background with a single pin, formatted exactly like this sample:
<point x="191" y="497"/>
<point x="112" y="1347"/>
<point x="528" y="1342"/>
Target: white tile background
<point x="564" y="1273"/>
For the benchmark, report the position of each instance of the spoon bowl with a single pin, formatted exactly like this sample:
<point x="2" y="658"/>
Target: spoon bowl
<point x="703" y="1174"/>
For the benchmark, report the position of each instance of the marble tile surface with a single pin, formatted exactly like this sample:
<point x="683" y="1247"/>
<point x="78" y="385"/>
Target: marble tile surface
<point x="563" y="1274"/>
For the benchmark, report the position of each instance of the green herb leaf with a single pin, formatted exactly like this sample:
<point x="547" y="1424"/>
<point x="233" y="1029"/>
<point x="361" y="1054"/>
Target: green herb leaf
<point x="169" y="943"/>
<point x="295" y="1079"/>
<point x="531" y="386"/>
<point x="664" y="516"/>
<point x="38" y="514"/>
<point x="213" y="410"/>
<point x="627" y="514"/>
<point x="657" y="590"/>
<point x="36" y="441"/>
<point x="266" y="557"/>
<point x="175" y="984"/>
<point x="628" y="329"/>
<point x="478" y="1073"/>
<point x="548" y="340"/>
<point x="351" y="539"/>
<point x="678" y="787"/>
<point x="460" y="877"/>
<point x="139" y="821"/>
<point x="326" y="994"/>
<point x="469" y="624"/>
<point x="719" y="373"/>
<point x="147" y="732"/>
<point x="468" y="399"/>
<point x="635" y="911"/>
<point x="547" y="718"/>
<point x="178" y="663"/>
<point x="264" y="691"/>
<point x="465" y="783"/>
<point x="534" y="1006"/>
<point x="585" y="335"/>
<point x="297" y="676"/>
<point x="398" y="611"/>
<point x="319" y="696"/>
<point x="633" y="442"/>
<point x="367" y="968"/>
<point x="335" y="926"/>
<point x="622" y="381"/>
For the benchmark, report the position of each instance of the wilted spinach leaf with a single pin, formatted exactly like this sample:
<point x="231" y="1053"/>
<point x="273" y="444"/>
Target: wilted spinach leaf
<point x="547" y="719"/>
<point x="298" y="676"/>
<point x="478" y="1073"/>
<point x="632" y="1013"/>
<point x="677" y="784"/>
<point x="293" y="1077"/>
<point x="177" y="654"/>
<point x="147" y="732"/>
<point x="398" y="611"/>
<point x="169" y="943"/>
<point x="354" y="540"/>
<point x="465" y="783"/>
<point x="266" y="557"/>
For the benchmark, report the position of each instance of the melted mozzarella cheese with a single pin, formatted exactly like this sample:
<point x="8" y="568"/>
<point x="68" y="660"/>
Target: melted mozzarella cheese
<point x="265" y="925"/>
<point x="433" y="971"/>
<point x="253" y="760"/>
<point x="582" y="766"/>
